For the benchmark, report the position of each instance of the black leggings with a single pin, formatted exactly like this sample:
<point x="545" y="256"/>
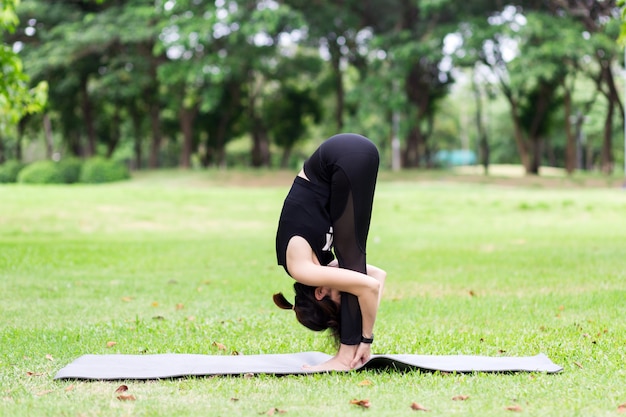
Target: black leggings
<point x="348" y="165"/>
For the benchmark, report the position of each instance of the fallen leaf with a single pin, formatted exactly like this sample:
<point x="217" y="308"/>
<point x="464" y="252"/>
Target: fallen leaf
<point x="472" y="293"/>
<point x="248" y="375"/>
<point x="361" y="403"/>
<point x="126" y="397"/>
<point x="561" y="308"/>
<point x="49" y="357"/>
<point x="127" y="299"/>
<point x="111" y="344"/>
<point x="155" y="304"/>
<point x="365" y="383"/>
<point x="180" y="306"/>
<point x="172" y="282"/>
<point x="621" y="408"/>
<point x="122" y="388"/>
<point x="515" y="408"/>
<point x="460" y="397"/>
<point x="158" y="318"/>
<point x="29" y="373"/>
<point x="578" y="364"/>
<point x="418" y="407"/>
<point x="191" y="318"/>
<point x="233" y="399"/>
<point x="275" y="410"/>
<point x="46" y="392"/>
<point x="500" y="351"/>
<point x="219" y="346"/>
<point x="70" y="388"/>
<point x="234" y="353"/>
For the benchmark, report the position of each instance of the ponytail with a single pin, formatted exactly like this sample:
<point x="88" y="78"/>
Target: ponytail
<point x="316" y="315"/>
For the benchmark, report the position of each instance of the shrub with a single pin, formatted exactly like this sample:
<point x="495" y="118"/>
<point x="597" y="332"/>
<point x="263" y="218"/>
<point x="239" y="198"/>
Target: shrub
<point x="9" y="171"/>
<point x="70" y="169"/>
<point x="41" y="172"/>
<point x="97" y="170"/>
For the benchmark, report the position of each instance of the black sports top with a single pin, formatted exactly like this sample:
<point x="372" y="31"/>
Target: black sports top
<point x="305" y="213"/>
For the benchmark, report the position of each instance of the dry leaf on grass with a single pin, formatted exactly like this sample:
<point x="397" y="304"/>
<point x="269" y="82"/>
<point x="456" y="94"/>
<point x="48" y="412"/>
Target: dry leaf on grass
<point x="579" y="365"/>
<point x="516" y="408"/>
<point x="361" y="403"/>
<point x="49" y="357"/>
<point x="180" y="306"/>
<point x="460" y="397"/>
<point x="29" y="373"/>
<point x="418" y="407"/>
<point x="127" y="299"/>
<point x="46" y="392"/>
<point x="365" y="383"/>
<point x="70" y="388"/>
<point x="126" y="397"/>
<point x="155" y="304"/>
<point x="621" y="408"/>
<point x="110" y="344"/>
<point x="274" y="410"/>
<point x="122" y="388"/>
<point x="219" y="346"/>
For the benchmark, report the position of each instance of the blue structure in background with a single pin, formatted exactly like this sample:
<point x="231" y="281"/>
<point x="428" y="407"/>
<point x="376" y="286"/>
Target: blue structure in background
<point x="456" y="157"/>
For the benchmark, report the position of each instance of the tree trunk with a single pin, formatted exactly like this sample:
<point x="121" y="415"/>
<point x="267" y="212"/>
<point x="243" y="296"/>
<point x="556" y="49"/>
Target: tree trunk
<point x="284" y="160"/>
<point x="115" y="133"/>
<point x="136" y="123"/>
<point x="570" y="145"/>
<point x="186" y="117"/>
<point x="335" y="57"/>
<point x="155" y="146"/>
<point x="90" y="149"/>
<point x="483" y="143"/>
<point x="613" y="99"/>
<point x="522" y="149"/>
<point x="535" y="160"/>
<point x="260" y="148"/>
<point x="2" y="155"/>
<point x="607" y="141"/>
<point x="411" y="154"/>
<point x="47" y="132"/>
<point x="260" y="139"/>
<point x="21" y="126"/>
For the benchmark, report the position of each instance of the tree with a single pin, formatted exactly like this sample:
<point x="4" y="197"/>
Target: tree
<point x="16" y="98"/>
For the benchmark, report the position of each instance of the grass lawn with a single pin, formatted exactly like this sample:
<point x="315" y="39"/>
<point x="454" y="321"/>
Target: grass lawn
<point x="184" y="263"/>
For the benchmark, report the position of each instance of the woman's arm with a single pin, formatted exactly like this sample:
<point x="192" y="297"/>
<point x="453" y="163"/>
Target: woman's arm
<point x="304" y="267"/>
<point x="373" y="271"/>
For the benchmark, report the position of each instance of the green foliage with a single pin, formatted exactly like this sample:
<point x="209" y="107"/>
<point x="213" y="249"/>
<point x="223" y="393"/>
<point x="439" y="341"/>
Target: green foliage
<point x="99" y="170"/>
<point x="9" y="171"/>
<point x="16" y="98"/>
<point x="70" y="169"/>
<point x="41" y="172"/>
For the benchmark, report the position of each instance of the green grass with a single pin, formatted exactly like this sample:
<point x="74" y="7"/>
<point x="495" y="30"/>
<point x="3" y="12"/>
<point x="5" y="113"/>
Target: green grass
<point x="182" y="262"/>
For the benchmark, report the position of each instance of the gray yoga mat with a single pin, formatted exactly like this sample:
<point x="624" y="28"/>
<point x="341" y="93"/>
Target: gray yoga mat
<point x="144" y="367"/>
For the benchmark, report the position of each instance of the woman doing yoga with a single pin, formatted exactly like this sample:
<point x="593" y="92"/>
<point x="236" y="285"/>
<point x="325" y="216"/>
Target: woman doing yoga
<point x="329" y="206"/>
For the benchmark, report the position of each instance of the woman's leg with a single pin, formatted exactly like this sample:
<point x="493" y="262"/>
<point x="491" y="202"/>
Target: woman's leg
<point x="355" y="169"/>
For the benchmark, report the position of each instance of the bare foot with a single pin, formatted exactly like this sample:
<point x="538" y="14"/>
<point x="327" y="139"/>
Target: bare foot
<point x="340" y="362"/>
<point x="333" y="364"/>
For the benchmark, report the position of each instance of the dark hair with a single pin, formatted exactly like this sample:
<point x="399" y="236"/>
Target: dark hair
<point x="317" y="315"/>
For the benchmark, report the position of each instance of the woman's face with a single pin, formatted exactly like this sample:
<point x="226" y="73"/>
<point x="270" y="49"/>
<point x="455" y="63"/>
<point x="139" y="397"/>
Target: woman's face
<point x="321" y="292"/>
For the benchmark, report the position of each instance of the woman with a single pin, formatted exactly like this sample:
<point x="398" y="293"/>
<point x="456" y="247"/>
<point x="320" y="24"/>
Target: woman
<point x="329" y="207"/>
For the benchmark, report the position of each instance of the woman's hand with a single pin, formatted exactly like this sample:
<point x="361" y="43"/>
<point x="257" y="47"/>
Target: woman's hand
<point x="362" y="355"/>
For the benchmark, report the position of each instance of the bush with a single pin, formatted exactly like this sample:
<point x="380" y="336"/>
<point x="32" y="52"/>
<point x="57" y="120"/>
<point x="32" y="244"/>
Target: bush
<point x="41" y="172"/>
<point x="9" y="171"/>
<point x="70" y="169"/>
<point x="98" y="170"/>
